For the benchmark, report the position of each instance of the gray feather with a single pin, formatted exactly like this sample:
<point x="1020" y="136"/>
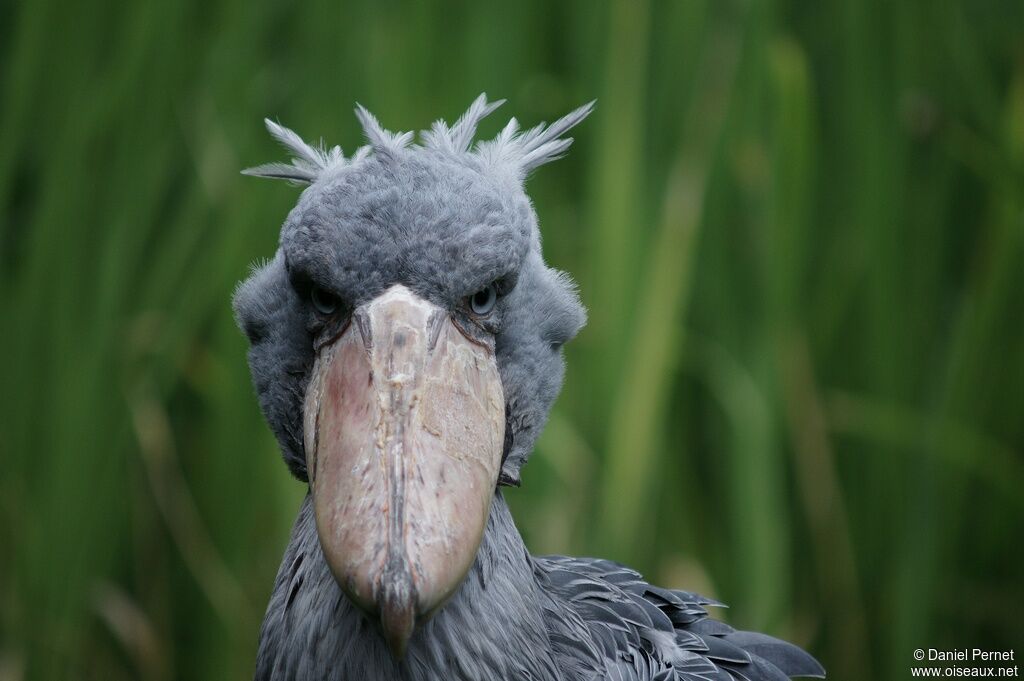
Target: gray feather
<point x="283" y="171"/>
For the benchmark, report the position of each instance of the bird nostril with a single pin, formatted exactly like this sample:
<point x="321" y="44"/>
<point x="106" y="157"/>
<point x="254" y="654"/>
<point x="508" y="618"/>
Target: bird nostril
<point x="434" y="329"/>
<point x="362" y="320"/>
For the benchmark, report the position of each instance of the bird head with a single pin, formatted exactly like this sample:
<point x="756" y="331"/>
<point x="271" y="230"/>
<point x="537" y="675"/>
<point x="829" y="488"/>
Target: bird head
<point x="406" y="346"/>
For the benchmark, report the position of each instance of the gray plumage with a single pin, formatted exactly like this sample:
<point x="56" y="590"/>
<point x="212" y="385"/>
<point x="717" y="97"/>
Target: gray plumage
<point x="446" y="218"/>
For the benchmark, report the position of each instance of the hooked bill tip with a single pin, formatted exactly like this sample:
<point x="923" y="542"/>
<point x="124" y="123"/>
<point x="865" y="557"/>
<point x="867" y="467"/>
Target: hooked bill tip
<point x="397" y="603"/>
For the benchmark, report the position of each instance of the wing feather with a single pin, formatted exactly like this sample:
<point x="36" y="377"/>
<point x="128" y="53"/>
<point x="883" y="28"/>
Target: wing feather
<point x="647" y="633"/>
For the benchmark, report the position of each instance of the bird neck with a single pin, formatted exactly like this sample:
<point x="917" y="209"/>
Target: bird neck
<point x="493" y="627"/>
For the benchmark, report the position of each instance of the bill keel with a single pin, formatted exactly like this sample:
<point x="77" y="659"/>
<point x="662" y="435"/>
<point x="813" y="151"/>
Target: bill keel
<point x="404" y="428"/>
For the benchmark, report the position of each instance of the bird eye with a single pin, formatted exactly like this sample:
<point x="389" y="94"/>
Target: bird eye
<point x="482" y="302"/>
<point x="323" y="301"/>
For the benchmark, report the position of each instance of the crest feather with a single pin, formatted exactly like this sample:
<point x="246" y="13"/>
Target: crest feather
<point x="383" y="141"/>
<point x="511" y="152"/>
<point x="308" y="162"/>
<point x="541" y="144"/>
<point x="458" y="138"/>
<point x="465" y="128"/>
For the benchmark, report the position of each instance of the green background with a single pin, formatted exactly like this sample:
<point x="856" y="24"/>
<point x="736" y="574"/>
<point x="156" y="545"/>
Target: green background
<point x="798" y="228"/>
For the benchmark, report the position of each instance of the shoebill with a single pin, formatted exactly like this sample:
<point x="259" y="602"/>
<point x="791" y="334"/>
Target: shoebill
<point x="406" y="346"/>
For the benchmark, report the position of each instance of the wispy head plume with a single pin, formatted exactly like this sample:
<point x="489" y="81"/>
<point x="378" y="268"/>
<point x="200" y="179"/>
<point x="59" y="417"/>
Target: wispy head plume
<point x="510" y="153"/>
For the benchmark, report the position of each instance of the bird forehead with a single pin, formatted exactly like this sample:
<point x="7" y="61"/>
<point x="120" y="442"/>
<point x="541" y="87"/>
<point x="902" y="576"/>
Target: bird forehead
<point x="421" y="219"/>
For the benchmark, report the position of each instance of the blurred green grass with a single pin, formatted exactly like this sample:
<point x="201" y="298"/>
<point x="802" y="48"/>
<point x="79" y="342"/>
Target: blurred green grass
<point x="798" y="227"/>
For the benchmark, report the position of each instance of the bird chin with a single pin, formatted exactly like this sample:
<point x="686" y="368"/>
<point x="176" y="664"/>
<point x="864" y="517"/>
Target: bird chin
<point x="404" y="429"/>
